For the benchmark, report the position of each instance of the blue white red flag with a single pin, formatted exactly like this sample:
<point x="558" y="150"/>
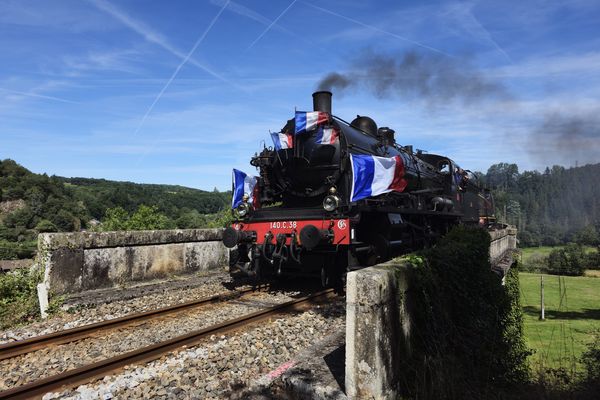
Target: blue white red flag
<point x="308" y="121"/>
<point x="244" y="184"/>
<point x="373" y="175"/>
<point x="281" y="140"/>
<point x="326" y="135"/>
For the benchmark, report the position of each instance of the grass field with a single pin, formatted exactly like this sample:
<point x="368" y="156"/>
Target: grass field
<point x="535" y="257"/>
<point x="570" y="321"/>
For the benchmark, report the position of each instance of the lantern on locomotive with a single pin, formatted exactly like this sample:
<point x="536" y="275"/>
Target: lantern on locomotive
<point x="332" y="196"/>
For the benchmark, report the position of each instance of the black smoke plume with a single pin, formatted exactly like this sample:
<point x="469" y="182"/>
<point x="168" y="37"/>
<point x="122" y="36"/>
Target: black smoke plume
<point x="433" y="78"/>
<point x="567" y="138"/>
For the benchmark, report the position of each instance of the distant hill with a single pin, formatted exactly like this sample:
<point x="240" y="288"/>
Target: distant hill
<point x="100" y="194"/>
<point x="31" y="203"/>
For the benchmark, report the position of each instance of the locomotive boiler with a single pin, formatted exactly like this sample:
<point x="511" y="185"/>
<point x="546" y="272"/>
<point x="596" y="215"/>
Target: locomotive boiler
<point x="333" y="196"/>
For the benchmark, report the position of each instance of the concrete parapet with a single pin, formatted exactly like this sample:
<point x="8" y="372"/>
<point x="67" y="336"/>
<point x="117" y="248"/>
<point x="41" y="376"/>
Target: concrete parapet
<point x="81" y="261"/>
<point x="378" y="329"/>
<point x="502" y="241"/>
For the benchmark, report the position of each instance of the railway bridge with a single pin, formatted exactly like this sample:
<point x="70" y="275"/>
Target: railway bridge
<point x="80" y="262"/>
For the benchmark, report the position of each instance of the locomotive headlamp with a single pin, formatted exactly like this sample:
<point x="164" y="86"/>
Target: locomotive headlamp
<point x="243" y="209"/>
<point x="331" y="203"/>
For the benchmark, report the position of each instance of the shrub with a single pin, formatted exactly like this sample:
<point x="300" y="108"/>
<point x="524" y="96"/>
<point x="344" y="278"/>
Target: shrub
<point x="537" y="262"/>
<point x="18" y="296"/>
<point x="589" y="385"/>
<point x="144" y="218"/>
<point x="148" y="217"/>
<point x="45" y="226"/>
<point x="221" y="219"/>
<point x="115" y="219"/>
<point x="17" y="250"/>
<point x="570" y="260"/>
<point x="469" y="328"/>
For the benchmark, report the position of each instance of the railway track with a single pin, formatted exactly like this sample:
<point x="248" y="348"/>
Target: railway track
<point x="13" y="349"/>
<point x="77" y="376"/>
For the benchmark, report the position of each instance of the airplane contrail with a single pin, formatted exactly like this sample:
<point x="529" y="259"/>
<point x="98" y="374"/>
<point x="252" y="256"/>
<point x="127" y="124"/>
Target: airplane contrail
<point x="39" y="96"/>
<point x="271" y="25"/>
<point x="152" y="36"/>
<point x="174" y="75"/>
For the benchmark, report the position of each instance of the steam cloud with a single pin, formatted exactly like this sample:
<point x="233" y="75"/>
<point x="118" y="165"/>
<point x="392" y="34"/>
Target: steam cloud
<point x="432" y="78"/>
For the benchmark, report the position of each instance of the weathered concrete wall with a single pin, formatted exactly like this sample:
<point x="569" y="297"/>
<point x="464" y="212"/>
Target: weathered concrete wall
<point x="81" y="261"/>
<point x="378" y="328"/>
<point x="503" y="240"/>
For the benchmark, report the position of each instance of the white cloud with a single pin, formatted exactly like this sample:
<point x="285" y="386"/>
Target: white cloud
<point x="544" y="66"/>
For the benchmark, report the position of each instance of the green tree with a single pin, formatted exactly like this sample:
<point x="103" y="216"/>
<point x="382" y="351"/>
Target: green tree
<point x="21" y="217"/>
<point x="148" y="217"/>
<point x="45" y="226"/>
<point x="221" y="219"/>
<point x="570" y="260"/>
<point x="65" y="221"/>
<point x="190" y="219"/>
<point x="115" y="219"/>
<point x="587" y="235"/>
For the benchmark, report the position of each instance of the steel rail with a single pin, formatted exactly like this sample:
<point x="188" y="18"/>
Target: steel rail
<point x="102" y="368"/>
<point x="12" y="349"/>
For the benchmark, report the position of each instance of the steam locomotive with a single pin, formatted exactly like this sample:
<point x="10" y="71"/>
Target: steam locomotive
<point x="333" y="196"/>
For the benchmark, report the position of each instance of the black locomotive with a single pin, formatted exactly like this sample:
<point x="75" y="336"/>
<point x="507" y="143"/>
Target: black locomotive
<point x="300" y="219"/>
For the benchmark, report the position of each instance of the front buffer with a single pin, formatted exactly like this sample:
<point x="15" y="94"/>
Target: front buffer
<point x="310" y="247"/>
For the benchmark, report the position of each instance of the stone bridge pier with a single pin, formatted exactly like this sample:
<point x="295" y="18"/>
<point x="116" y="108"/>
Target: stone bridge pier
<point x="378" y="320"/>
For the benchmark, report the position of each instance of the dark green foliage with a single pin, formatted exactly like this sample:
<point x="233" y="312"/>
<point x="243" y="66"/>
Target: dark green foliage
<point x="17" y="250"/>
<point x="591" y="361"/>
<point x="191" y="219"/>
<point x="468" y="327"/>
<point x="45" y="226"/>
<point x="593" y="259"/>
<point x="18" y="296"/>
<point x="116" y="219"/>
<point x="570" y="260"/>
<point x="49" y="204"/>
<point x="555" y="207"/>
<point x="171" y="200"/>
<point x="144" y="218"/>
<point x="587" y="236"/>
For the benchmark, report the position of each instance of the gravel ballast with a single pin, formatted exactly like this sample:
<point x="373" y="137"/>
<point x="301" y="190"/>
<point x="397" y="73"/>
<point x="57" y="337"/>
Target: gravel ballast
<point x="56" y="359"/>
<point x="105" y="304"/>
<point x="222" y="367"/>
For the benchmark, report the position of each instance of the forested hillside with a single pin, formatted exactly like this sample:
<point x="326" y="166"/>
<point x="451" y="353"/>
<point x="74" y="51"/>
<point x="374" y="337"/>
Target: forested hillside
<point x="557" y="206"/>
<point x="32" y="203"/>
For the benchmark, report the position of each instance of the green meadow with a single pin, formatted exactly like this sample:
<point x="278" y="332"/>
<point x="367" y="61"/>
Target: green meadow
<point x="572" y="307"/>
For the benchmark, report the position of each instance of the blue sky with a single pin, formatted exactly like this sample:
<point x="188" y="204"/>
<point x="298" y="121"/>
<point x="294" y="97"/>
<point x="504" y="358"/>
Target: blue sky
<point x="182" y="91"/>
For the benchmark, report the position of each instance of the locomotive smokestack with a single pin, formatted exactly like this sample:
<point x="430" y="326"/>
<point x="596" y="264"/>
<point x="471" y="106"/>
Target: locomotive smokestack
<point x="322" y="101"/>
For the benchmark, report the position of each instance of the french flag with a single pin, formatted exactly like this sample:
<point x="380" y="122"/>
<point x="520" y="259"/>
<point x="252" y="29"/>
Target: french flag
<point x="244" y="184"/>
<point x="373" y="175"/>
<point x="281" y="140"/>
<point x="308" y="121"/>
<point x="326" y="136"/>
